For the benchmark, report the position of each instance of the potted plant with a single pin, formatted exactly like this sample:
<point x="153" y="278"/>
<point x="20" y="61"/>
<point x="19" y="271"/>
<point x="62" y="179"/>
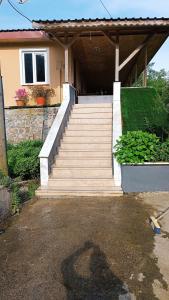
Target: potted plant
<point x="21" y="96"/>
<point x="41" y="94"/>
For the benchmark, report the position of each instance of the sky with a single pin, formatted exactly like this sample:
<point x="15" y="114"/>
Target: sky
<point x="65" y="9"/>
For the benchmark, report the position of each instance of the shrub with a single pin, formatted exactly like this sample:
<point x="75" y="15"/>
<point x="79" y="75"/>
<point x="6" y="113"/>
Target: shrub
<point x="13" y="186"/>
<point x="6" y="181"/>
<point x="163" y="153"/>
<point x="23" y="159"/>
<point x="32" y="187"/>
<point x="16" y="198"/>
<point x="137" y="147"/>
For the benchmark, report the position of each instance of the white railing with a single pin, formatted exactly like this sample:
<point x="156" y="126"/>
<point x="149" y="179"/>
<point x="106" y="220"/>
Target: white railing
<point x="117" y="129"/>
<point x="52" y="142"/>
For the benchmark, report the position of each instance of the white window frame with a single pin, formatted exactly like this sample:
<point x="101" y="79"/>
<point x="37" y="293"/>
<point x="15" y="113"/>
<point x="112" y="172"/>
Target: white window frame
<point x="34" y="51"/>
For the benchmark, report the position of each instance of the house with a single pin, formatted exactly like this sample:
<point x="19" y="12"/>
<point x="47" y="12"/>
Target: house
<point x="81" y="57"/>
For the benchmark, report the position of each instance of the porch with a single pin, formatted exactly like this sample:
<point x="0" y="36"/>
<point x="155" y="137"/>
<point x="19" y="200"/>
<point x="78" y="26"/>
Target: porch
<point x="98" y="52"/>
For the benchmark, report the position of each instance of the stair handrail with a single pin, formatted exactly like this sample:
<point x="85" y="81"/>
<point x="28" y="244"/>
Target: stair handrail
<point x="52" y="142"/>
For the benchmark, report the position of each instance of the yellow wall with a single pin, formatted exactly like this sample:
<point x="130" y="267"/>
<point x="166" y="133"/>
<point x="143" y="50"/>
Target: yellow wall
<point x="10" y="69"/>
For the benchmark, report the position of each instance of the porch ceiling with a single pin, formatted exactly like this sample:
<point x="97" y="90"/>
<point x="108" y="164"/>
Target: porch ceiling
<point x="95" y="50"/>
<point x="96" y="56"/>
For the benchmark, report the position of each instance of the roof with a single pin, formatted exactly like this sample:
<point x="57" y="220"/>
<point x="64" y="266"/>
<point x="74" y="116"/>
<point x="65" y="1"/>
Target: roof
<point x="20" y="35"/>
<point x="133" y="32"/>
<point x="99" y="19"/>
<point x="19" y="30"/>
<point x="101" y="23"/>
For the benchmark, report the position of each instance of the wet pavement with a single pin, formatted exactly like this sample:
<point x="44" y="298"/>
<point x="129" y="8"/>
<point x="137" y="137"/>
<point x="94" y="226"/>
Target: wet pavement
<point x="159" y="202"/>
<point x="80" y="249"/>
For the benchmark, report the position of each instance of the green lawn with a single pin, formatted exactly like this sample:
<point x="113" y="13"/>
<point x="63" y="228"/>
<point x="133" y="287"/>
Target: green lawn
<point x="142" y="109"/>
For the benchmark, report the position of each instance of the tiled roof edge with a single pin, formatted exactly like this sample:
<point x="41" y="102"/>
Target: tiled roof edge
<point x="99" y="19"/>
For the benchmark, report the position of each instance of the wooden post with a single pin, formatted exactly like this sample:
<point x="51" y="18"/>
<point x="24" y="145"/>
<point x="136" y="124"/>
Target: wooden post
<point x="66" y="64"/>
<point x="145" y="70"/>
<point x="3" y="148"/>
<point x="117" y="59"/>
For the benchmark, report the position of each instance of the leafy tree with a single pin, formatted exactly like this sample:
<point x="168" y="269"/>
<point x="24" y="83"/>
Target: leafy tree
<point x="165" y="95"/>
<point x="157" y="79"/>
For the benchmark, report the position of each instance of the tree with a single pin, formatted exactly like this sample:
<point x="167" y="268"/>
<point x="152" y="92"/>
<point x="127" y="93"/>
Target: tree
<point x="157" y="79"/>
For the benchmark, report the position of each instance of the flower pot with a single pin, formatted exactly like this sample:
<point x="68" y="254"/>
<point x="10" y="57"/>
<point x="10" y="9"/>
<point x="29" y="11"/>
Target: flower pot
<point x="40" y="101"/>
<point x="20" y="102"/>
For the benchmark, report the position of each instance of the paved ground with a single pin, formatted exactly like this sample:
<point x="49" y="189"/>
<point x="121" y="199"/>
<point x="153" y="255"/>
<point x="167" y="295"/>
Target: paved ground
<point x="159" y="203"/>
<point x="83" y="249"/>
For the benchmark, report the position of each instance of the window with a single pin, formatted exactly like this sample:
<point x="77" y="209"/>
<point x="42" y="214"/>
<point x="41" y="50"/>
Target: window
<point x="34" y="66"/>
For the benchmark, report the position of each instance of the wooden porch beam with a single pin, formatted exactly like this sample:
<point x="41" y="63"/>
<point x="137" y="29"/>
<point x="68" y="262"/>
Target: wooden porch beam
<point x="110" y="38"/>
<point x="65" y="43"/>
<point x="117" y="58"/>
<point x="134" y="53"/>
<point x="145" y="69"/>
<point x="66" y="64"/>
<point x="74" y="38"/>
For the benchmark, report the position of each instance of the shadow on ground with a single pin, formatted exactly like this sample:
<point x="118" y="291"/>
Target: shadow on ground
<point x="44" y="253"/>
<point x="100" y="284"/>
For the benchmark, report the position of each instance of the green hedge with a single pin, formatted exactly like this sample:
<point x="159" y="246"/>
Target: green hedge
<point x="23" y="159"/>
<point x="139" y="147"/>
<point x="143" y="110"/>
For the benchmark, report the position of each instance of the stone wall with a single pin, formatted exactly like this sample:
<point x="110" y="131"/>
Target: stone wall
<point x="28" y="123"/>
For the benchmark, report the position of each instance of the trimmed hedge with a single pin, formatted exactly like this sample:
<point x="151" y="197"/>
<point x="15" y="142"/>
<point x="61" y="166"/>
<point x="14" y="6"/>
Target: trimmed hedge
<point x="143" y="110"/>
<point x="23" y="159"/>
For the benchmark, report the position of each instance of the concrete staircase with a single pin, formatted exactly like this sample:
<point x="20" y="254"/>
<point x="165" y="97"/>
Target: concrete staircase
<point x="83" y="165"/>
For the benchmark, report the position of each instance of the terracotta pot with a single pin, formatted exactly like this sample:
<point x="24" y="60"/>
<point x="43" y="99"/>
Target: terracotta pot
<point x="40" y="101"/>
<point x="20" y="102"/>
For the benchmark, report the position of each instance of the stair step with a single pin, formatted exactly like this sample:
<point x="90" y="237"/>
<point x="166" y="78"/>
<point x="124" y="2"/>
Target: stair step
<point x="83" y="163"/>
<point x="91" y="127"/>
<point x="84" y="146"/>
<point x="87" y="110"/>
<point x="82" y="184"/>
<point x="83" y="154"/>
<point x="85" y="139"/>
<point x="91" y="115"/>
<point x="90" y="121"/>
<point x="91" y="105"/>
<point x="81" y="173"/>
<point x="57" y="194"/>
<point x="88" y="133"/>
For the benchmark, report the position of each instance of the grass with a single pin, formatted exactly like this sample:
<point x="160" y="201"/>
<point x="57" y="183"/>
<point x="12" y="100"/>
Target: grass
<point x="142" y="109"/>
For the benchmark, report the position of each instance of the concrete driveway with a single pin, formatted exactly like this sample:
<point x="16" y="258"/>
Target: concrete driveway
<point x="83" y="248"/>
<point x="159" y="202"/>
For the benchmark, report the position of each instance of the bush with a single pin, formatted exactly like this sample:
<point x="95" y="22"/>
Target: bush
<point x="32" y="187"/>
<point x="23" y="159"/>
<point x="13" y="186"/>
<point x="163" y="153"/>
<point x="16" y="198"/>
<point x="137" y="147"/>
